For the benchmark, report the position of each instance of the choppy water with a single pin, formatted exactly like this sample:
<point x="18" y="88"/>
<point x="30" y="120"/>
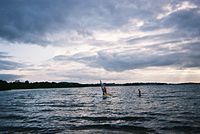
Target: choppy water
<point x="161" y="109"/>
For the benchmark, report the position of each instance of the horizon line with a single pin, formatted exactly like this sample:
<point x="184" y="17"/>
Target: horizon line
<point x="104" y="82"/>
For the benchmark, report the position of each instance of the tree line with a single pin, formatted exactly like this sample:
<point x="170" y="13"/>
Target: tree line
<point x="4" y="85"/>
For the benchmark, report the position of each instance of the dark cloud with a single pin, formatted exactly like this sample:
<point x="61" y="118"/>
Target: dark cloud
<point x="170" y="48"/>
<point x="9" y="77"/>
<point x="29" y="21"/>
<point x="4" y="55"/>
<point x="165" y="37"/>
<point x="7" y="64"/>
<point x="186" y="21"/>
<point x="185" y="57"/>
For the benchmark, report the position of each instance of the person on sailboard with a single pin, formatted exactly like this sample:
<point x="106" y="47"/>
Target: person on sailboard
<point x="104" y="90"/>
<point x="103" y="87"/>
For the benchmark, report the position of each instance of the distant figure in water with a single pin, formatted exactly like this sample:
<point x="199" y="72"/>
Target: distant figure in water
<point x="139" y="93"/>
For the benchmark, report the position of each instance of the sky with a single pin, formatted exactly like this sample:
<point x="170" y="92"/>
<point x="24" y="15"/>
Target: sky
<point x="87" y="40"/>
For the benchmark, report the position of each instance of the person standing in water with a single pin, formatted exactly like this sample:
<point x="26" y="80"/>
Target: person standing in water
<point x="139" y="93"/>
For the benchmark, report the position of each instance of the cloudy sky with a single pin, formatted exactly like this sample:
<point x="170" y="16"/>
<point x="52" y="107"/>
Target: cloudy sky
<point x="88" y="40"/>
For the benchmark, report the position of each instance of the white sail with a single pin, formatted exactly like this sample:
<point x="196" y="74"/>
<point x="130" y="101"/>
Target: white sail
<point x="102" y="85"/>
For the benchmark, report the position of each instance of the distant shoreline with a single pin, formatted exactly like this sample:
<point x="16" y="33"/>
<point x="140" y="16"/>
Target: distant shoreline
<point x="4" y="85"/>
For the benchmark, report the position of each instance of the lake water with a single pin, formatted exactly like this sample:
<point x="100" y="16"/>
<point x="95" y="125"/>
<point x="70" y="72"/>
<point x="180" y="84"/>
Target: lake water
<point x="160" y="109"/>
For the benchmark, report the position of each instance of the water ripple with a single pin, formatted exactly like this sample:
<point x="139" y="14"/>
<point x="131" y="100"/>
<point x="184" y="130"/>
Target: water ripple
<point x="161" y="109"/>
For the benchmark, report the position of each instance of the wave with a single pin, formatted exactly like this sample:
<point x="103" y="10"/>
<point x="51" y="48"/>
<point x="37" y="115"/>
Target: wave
<point x="185" y="129"/>
<point x="104" y="118"/>
<point x="22" y="129"/>
<point x="112" y="127"/>
<point x="13" y="117"/>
